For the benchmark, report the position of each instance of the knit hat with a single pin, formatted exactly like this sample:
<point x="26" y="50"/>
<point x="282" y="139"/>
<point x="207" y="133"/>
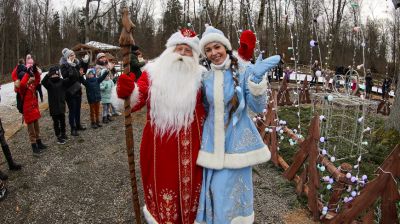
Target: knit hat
<point x="213" y="35"/>
<point x="134" y="48"/>
<point x="54" y="70"/>
<point x="91" y="71"/>
<point x="66" y="53"/>
<point x="184" y="36"/>
<point x="100" y="55"/>
<point x="247" y="44"/>
<point x="28" y="61"/>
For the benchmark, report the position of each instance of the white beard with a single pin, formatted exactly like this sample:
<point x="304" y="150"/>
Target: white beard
<point x="175" y="81"/>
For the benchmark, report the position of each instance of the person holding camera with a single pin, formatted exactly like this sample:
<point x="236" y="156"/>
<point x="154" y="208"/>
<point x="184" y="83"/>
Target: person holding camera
<point x="71" y="70"/>
<point x="31" y="112"/>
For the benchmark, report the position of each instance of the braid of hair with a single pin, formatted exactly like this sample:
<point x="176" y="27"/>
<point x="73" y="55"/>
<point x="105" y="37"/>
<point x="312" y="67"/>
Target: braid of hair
<point x="234" y="102"/>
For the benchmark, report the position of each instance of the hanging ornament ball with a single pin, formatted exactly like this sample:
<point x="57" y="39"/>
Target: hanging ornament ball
<point x="326" y="178"/>
<point x="324" y="152"/>
<point x="291" y="143"/>
<point x="266" y="130"/>
<point x="189" y="24"/>
<point x="333" y="159"/>
<point x="331" y="180"/>
<point x="313" y="43"/>
<point x="360" y="119"/>
<point x="325" y="208"/>
<point x="322" y="168"/>
<point x="353" y="193"/>
<point x="353" y="179"/>
<point x="350" y="199"/>
<point x="348" y="175"/>
<point x="330" y="97"/>
<point x="363" y="44"/>
<point x="346" y="199"/>
<point x="281" y="131"/>
<point x="282" y="137"/>
<point x="265" y="110"/>
<point x="324" y="212"/>
<point x="322" y="139"/>
<point x="254" y="119"/>
<point x="322" y="118"/>
<point x="364" y="177"/>
<point x="329" y="187"/>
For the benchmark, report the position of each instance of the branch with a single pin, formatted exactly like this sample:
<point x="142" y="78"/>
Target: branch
<point x="103" y="14"/>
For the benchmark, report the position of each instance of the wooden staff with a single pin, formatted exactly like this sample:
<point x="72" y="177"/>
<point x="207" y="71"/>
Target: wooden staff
<point x="126" y="41"/>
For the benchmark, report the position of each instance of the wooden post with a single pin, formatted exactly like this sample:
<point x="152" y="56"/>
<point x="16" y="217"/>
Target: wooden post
<point x="126" y="41"/>
<point x="283" y="94"/>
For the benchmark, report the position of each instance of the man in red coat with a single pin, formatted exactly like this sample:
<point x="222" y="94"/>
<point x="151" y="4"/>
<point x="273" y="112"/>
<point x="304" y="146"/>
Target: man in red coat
<point x="169" y="87"/>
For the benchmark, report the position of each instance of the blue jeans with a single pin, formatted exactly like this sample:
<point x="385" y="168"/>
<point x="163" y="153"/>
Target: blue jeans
<point x="106" y="109"/>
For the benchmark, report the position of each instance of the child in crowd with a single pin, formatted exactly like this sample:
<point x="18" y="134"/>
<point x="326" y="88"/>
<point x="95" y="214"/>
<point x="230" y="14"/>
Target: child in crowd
<point x="106" y="88"/>
<point x="30" y="106"/>
<point x="56" y="96"/>
<point x="92" y="84"/>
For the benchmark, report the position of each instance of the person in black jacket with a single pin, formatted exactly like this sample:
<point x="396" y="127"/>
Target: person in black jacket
<point x="368" y="83"/>
<point x="136" y="64"/>
<point x="92" y="84"/>
<point x="71" y="71"/>
<point x="56" y="96"/>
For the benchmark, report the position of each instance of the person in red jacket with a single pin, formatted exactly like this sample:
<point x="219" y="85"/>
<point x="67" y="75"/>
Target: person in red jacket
<point x="31" y="112"/>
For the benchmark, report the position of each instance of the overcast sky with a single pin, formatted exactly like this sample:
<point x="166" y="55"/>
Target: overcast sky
<point x="372" y="8"/>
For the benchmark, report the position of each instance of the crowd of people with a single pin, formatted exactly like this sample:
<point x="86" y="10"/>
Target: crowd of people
<point x="64" y="89"/>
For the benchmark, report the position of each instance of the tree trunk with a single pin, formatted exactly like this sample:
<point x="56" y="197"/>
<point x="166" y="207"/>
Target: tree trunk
<point x="394" y="117"/>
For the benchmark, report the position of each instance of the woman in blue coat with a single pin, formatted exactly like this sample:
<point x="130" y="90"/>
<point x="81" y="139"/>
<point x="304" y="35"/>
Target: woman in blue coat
<point x="231" y="144"/>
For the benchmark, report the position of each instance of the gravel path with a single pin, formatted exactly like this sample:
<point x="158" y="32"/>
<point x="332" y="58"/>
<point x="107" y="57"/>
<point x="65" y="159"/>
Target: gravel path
<point x="87" y="179"/>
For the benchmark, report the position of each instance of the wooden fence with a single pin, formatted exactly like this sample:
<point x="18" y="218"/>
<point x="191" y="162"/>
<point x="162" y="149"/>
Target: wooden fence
<point x="359" y="210"/>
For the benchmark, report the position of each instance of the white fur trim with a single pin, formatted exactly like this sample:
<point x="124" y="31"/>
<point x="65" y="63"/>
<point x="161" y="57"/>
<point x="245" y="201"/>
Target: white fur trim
<point x="258" y="89"/>
<point x="119" y="103"/>
<point x="219" y="124"/>
<point x="243" y="220"/>
<point x="214" y="37"/>
<point x="178" y="38"/>
<point x="234" y="161"/>
<point x="238" y="220"/>
<point x="149" y="218"/>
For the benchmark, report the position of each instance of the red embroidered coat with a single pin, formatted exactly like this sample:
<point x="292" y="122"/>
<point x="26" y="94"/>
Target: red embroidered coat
<point x="171" y="179"/>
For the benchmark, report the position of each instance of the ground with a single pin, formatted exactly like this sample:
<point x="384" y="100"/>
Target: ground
<point x="87" y="180"/>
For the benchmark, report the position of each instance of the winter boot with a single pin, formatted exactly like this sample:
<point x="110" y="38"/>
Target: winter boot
<point x="11" y="164"/>
<point x="40" y="144"/>
<point x="3" y="190"/>
<point x="98" y="124"/>
<point x="60" y="141"/>
<point x="36" y="149"/>
<point x="81" y="128"/>
<point x="105" y="121"/>
<point x="3" y="176"/>
<point x="74" y="132"/>
<point x="94" y="126"/>
<point x="109" y="118"/>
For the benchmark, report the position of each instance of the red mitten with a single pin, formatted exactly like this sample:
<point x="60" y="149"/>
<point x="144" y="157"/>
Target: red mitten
<point x="125" y="85"/>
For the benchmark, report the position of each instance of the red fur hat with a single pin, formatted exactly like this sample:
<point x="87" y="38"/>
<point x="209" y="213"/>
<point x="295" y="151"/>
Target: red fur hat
<point x="247" y="45"/>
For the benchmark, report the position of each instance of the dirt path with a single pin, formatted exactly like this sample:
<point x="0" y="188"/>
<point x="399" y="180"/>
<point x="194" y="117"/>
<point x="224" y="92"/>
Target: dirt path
<point x="87" y="180"/>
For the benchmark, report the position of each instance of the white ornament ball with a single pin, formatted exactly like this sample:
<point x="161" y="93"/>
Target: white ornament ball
<point x="353" y="193"/>
<point x="324" y="152"/>
<point x="330" y="97"/>
<point x="348" y="175"/>
<point x="333" y="159"/>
